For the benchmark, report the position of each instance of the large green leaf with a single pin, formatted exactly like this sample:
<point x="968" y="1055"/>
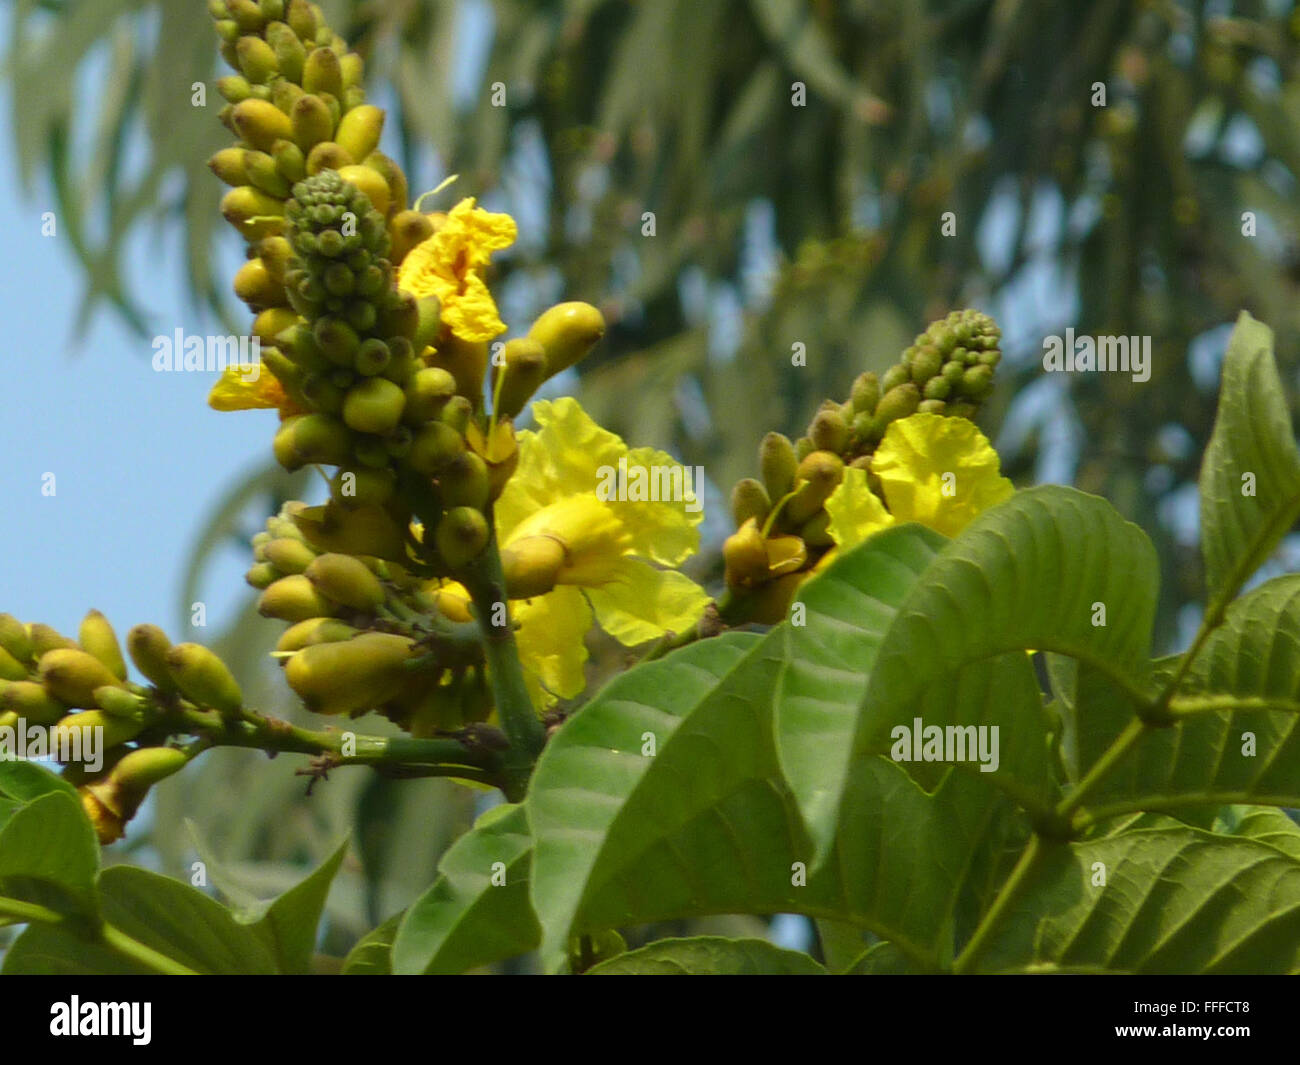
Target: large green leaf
<point x="1252" y="436"/>
<point x="163" y="914"/>
<point x="709" y="956"/>
<point x="23" y="781"/>
<point x="1175" y="900"/>
<point x="1263" y="823"/>
<point x="708" y="825"/>
<point x="290" y="923"/>
<point x="49" y="856"/>
<point x="1035" y="572"/>
<point x="828" y="661"/>
<point x="373" y="953"/>
<point x="1249" y="754"/>
<point x="477" y="911"/>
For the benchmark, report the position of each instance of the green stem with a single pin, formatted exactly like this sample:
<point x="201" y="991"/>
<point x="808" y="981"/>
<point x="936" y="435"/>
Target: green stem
<point x="1117" y="750"/>
<point x="486" y="584"/>
<point x="989" y="922"/>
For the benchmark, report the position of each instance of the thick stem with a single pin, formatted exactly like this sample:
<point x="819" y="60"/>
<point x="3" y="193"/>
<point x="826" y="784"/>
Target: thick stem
<point x="990" y="921"/>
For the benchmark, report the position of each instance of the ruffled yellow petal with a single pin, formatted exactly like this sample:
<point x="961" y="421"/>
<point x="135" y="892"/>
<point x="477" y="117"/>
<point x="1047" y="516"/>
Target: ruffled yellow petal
<point x="664" y="530"/>
<point x="856" y="511"/>
<point x="912" y="463"/>
<point x="449" y="265"/>
<point x="550" y="637"/>
<point x="235" y="390"/>
<point x="642" y="603"/>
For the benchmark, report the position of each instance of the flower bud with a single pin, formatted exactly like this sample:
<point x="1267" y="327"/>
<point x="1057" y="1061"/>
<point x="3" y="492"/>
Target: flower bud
<point x="815" y="532"/>
<point x="435" y="445"/>
<point x="464" y="482"/>
<point x="524" y="370"/>
<point x="461" y="536"/>
<point x="10" y="667"/>
<point x="289" y="555"/>
<point x="350" y="676"/>
<point x="896" y="375"/>
<point x="293" y="598"/>
<point x="897" y="403"/>
<point x="290" y="55"/>
<point x="405" y="231"/>
<point x="457" y="413"/>
<point x="312" y="439"/>
<point x="926" y="362"/>
<point x="247" y="14"/>
<point x="262" y="173"/>
<point x="118" y="702"/>
<point x="44" y="638"/>
<point x="818" y="476"/>
<point x="428" y="322"/>
<point x="148" y="647"/>
<point x="932" y="406"/>
<point x="228" y="165"/>
<point x="749" y="499"/>
<point x="962" y="409"/>
<point x="261" y="575"/>
<point x="373" y="405"/>
<point x="977" y="382"/>
<point x="310" y="123"/>
<point x="372" y="357"/>
<point x="256" y="60"/>
<point x="427" y="393"/>
<point x="466" y="361"/>
<point x="356" y="531"/>
<point x="72" y="675"/>
<point x="359" y="130"/>
<point x="203" y="678"/>
<point x="346" y="580"/>
<point x="777" y="465"/>
<point x="260" y="123"/>
<point x="97" y="637"/>
<point x="336" y="340"/>
<point x="313" y="631"/>
<point x="302" y="19"/>
<point x="532" y="565"/>
<point x="362" y="486"/>
<point x="829" y="431"/>
<point x="127" y="782"/>
<point x="31" y="701"/>
<point x="255" y="286"/>
<point x="321" y="72"/>
<point x="866" y="392"/>
<point x="369" y="182"/>
<point x="567" y="332"/>
<point x="115" y="731"/>
<point x="327" y="156"/>
<point x="14" y="638"/>
<point x="251" y="211"/>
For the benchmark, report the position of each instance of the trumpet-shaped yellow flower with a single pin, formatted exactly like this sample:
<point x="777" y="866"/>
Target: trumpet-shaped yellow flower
<point x="450" y="263"/>
<point x="935" y="470"/>
<point x="571" y="556"/>
<point x="236" y="390"/>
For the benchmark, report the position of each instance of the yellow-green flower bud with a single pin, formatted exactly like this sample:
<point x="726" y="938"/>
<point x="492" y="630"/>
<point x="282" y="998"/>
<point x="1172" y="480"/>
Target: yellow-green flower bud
<point x="866" y="392"/>
<point x="394" y="177"/>
<point x="977" y="382"/>
<point x="777" y="464"/>
<point x="290" y="55"/>
<point x="256" y="60"/>
<point x="72" y="675"/>
<point x="360" y="486"/>
<point x="936" y="388"/>
<point x="261" y="123"/>
<point x="359" y="130"/>
<point x="350" y="676"/>
<point x="457" y="413"/>
<point x="818" y="476"/>
<point x="30" y="701"/>
<point x="568" y="331"/>
<point x="116" y="731"/>
<point x="126" y="785"/>
<point x="10" y="667"/>
<point x="228" y="165"/>
<point x="461" y="536"/>
<point x="749" y="499"/>
<point x="354" y="69"/>
<point x="321" y="72"/>
<point x="251" y="211"/>
<point x="256" y="287"/>
<point x="118" y="702"/>
<point x="829" y="431"/>
<point x="532" y="565"/>
<point x="203" y="678"/>
<point x="346" y="580"/>
<point x="464" y="482"/>
<point x="290" y="161"/>
<point x="44" y="638"/>
<point x="405" y="231"/>
<point x="263" y="174"/>
<point x="896" y="375"/>
<point x="744" y="554"/>
<point x="14" y="638"/>
<point x="815" y="532"/>
<point x="261" y="575"/>
<point x="428" y="322"/>
<point x="897" y="403"/>
<point x="434" y="446"/>
<point x="302" y="19"/>
<point x="926" y="362"/>
<point x="310" y="122"/>
<point x="374" y="405"/>
<point x="97" y="637"/>
<point x="312" y="439"/>
<point x="524" y="370"/>
<point x="466" y="361"/>
<point x="427" y="393"/>
<point x="148" y="647"/>
<point x="327" y="156"/>
<point x="932" y="406"/>
<point x="293" y="598"/>
<point x="314" y="631"/>
<point x="962" y="409"/>
<point x="289" y="554"/>
<point x="247" y="14"/>
<point x="368" y="181"/>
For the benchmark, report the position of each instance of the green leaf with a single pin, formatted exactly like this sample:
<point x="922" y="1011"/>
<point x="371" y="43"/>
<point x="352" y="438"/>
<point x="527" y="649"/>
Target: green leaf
<point x="828" y="661"/>
<point x="1030" y="573"/>
<point x="881" y="959"/>
<point x="466" y="919"/>
<point x="1175" y="900"/>
<point x="164" y="914"/>
<point x="708" y="825"/>
<point x="1247" y="751"/>
<point x="23" y="781"/>
<point x="709" y="956"/>
<point x="373" y="953"/>
<point x="1262" y="823"/>
<point x="49" y="855"/>
<point x="1252" y="435"/>
<point x="290" y="923"/>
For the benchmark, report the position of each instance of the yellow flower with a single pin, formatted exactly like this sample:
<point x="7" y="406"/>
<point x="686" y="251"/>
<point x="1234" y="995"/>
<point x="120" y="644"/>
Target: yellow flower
<point x="576" y="549"/>
<point x="450" y="263"/>
<point x="236" y="390"/>
<point x="935" y="470"/>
